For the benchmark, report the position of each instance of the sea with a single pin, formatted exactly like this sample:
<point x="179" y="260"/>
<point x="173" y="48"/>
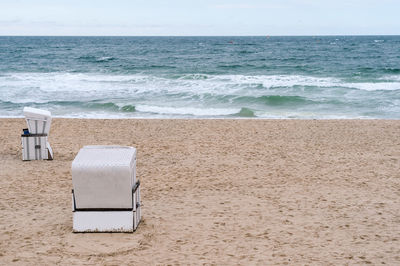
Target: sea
<point x="272" y="77"/>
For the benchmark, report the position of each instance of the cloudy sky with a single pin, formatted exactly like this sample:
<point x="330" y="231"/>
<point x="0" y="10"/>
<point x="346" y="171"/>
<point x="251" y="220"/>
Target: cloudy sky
<point x="206" y="17"/>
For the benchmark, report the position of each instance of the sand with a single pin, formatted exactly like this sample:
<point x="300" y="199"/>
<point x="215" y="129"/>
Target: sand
<point x="215" y="192"/>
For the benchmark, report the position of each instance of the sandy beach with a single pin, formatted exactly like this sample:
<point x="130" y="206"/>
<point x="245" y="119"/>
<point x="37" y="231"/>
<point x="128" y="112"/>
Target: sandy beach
<point x="316" y="192"/>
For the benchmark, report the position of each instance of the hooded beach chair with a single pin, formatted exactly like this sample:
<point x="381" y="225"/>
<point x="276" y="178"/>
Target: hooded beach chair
<point x="35" y="145"/>
<point x="106" y="194"/>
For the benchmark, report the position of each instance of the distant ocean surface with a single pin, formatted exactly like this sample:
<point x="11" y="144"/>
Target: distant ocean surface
<point x="202" y="77"/>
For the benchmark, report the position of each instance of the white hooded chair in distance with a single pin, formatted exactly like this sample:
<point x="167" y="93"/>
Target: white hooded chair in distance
<point x="105" y="195"/>
<point x="35" y="145"/>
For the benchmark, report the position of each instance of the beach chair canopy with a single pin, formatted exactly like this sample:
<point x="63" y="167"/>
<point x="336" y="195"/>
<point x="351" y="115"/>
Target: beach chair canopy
<point x="103" y="177"/>
<point x="39" y="121"/>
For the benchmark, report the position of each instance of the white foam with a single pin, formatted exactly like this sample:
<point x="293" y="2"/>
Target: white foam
<point x="187" y="110"/>
<point x="390" y="78"/>
<point x="296" y="80"/>
<point x="383" y="86"/>
<point x="107" y="85"/>
<point x="191" y="94"/>
<point x="104" y="58"/>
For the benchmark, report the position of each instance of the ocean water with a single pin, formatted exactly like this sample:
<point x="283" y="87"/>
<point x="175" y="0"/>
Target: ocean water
<point x="202" y="77"/>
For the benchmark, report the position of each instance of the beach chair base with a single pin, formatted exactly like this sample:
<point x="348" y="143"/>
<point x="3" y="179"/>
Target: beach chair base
<point x="36" y="147"/>
<point x="108" y="220"/>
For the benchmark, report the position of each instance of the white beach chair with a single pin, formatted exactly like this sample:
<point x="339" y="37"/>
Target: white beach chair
<point x="105" y="195"/>
<point x="35" y="145"/>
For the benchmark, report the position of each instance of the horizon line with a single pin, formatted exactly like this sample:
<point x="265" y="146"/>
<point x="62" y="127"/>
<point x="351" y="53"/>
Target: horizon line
<point x="263" y="35"/>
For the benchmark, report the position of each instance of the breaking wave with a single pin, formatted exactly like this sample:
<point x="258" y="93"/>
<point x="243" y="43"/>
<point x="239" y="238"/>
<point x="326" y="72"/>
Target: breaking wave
<point x="199" y="95"/>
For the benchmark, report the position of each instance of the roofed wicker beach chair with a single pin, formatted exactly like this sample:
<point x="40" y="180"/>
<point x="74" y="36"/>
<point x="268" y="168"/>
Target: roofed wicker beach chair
<point x="35" y="145"/>
<point x="106" y="194"/>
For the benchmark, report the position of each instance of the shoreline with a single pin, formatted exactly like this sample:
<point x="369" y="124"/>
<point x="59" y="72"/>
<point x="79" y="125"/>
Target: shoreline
<point x="214" y="191"/>
<point x="214" y="118"/>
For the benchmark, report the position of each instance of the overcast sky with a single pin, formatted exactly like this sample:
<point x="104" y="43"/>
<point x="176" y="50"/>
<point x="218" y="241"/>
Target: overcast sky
<point x="206" y="17"/>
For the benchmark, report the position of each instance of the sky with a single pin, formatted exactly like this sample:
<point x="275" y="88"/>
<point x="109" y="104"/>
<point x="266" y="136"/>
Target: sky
<point x="199" y="18"/>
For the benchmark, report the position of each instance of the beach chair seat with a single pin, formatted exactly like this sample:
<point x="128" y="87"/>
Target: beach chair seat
<point x="106" y="194"/>
<point x="35" y="145"/>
